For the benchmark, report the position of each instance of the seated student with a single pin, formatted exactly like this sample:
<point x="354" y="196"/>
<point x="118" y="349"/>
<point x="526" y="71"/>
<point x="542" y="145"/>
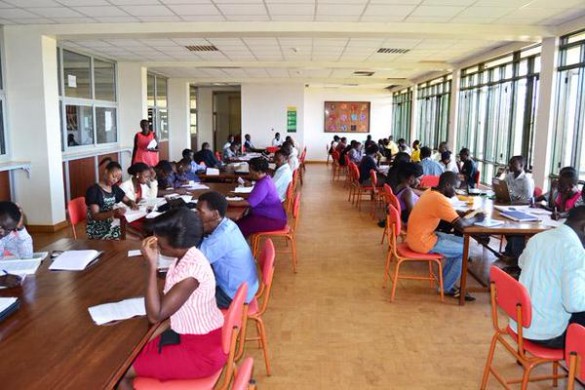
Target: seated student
<point x="443" y="147"/>
<point x="403" y="146"/>
<point x="189" y="156"/>
<point x="167" y="176"/>
<point x="392" y="176"/>
<point x="292" y="153"/>
<point x="409" y="175"/>
<point x="565" y="193"/>
<point x="368" y="163"/>
<point x="14" y="238"/>
<point x="334" y="143"/>
<point x="100" y="199"/>
<point x="415" y="155"/>
<point x="230" y="152"/>
<point x="344" y="152"/>
<point x="355" y="154"/>
<point x="341" y="145"/>
<point x="553" y="271"/>
<point x="282" y="175"/>
<point x="448" y="163"/>
<point x="432" y="207"/>
<point x="206" y="156"/>
<point x="188" y="299"/>
<point x="140" y="185"/>
<point x="185" y="172"/>
<point x="276" y="141"/>
<point x="230" y="140"/>
<point x="429" y="166"/>
<point x="265" y="211"/>
<point x="248" y="145"/>
<point x="520" y="185"/>
<point x="392" y="147"/>
<point x="226" y="249"/>
<point x="468" y="169"/>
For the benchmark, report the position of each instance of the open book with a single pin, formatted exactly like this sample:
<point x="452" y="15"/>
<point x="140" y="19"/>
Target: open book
<point x="74" y="260"/>
<point x="20" y="267"/>
<point x="116" y="311"/>
<point x="8" y="305"/>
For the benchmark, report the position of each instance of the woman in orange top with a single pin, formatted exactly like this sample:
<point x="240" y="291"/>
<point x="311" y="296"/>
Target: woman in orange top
<point x="142" y="153"/>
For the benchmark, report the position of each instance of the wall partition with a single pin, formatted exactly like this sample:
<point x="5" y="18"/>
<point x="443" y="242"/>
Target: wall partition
<point x="497" y="106"/>
<point x="401" y="112"/>
<point x="433" y="101"/>
<point x="158" y="114"/>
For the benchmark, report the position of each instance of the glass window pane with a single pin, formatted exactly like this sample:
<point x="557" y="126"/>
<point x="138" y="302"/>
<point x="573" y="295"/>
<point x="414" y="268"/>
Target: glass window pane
<point x="76" y="70"/>
<point x="105" y="122"/>
<point x="161" y="92"/>
<point x="150" y="80"/>
<point x="2" y="140"/>
<point x="105" y="80"/>
<point x="573" y="56"/>
<point x="163" y="123"/>
<point x="79" y="125"/>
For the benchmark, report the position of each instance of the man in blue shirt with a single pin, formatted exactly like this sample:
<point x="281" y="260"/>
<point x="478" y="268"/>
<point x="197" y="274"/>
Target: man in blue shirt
<point x="226" y="249"/>
<point x="553" y="271"/>
<point x="429" y="166"/>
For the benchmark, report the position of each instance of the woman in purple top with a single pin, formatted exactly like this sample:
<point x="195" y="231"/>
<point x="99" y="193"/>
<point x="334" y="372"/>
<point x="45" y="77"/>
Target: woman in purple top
<point x="409" y="177"/>
<point x="265" y="211"/>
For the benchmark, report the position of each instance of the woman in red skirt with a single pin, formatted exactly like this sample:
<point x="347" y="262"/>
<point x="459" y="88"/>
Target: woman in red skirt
<point x="145" y="150"/>
<point x="191" y="347"/>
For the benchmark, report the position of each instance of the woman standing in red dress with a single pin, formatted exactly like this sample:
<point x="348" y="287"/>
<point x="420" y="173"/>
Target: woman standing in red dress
<point x="142" y="152"/>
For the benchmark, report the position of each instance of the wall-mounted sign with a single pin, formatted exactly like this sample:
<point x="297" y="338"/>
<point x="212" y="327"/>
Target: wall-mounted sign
<point x="291" y="119"/>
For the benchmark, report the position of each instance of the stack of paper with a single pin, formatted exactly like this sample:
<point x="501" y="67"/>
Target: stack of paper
<point x="212" y="172"/>
<point x="20" y="267"/>
<point x="233" y="198"/>
<point x="198" y="186"/>
<point x="243" y="190"/>
<point x="152" y="144"/>
<point x="122" y="310"/>
<point x="74" y="260"/>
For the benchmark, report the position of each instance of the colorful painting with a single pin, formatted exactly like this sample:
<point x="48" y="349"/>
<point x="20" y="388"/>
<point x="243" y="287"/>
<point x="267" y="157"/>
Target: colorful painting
<point x="347" y="117"/>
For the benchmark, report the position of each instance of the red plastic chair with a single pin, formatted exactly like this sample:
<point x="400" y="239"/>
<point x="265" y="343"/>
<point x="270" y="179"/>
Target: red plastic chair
<point x="512" y="297"/>
<point x="272" y="149"/>
<point x="77" y="210"/>
<point x="575" y="354"/>
<point x="537" y="192"/>
<point x="476" y="178"/>
<point x="259" y="304"/>
<point x="402" y="253"/>
<point x="429" y="181"/>
<point x="335" y="162"/>
<point x="288" y="233"/>
<point x="244" y="379"/>
<point x="230" y="331"/>
<point x="218" y="156"/>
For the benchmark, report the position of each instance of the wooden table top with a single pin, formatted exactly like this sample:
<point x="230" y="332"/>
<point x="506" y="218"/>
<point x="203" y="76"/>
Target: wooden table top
<point x="51" y="342"/>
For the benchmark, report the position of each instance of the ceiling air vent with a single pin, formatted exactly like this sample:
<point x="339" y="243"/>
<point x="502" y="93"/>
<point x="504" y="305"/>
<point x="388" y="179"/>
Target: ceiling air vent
<point x="386" y="50"/>
<point x="201" y="48"/>
<point x="364" y="73"/>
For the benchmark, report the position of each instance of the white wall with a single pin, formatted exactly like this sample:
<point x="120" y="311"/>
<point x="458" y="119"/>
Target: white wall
<point x="179" y="130"/>
<point x="132" y="106"/>
<point x="264" y="110"/>
<point x="315" y="138"/>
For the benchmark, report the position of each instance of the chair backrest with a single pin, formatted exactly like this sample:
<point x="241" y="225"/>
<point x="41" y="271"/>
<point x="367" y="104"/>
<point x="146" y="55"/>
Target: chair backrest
<point x="373" y="178"/>
<point x="218" y="156"/>
<point x="393" y="200"/>
<point x="537" y="192"/>
<point x="428" y="181"/>
<point x="77" y="210"/>
<point x="394" y="222"/>
<point x="290" y="193"/>
<point x="232" y="322"/>
<point x="244" y="376"/>
<point x="575" y="352"/>
<point x="266" y="261"/>
<point x="509" y="295"/>
<point x="476" y="177"/>
<point x="387" y="189"/>
<point x="272" y="149"/>
<point x="335" y="156"/>
<point x="296" y="211"/>
<point x="356" y="172"/>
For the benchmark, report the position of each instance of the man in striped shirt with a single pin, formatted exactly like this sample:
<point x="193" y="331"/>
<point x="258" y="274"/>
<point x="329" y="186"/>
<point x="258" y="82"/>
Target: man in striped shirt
<point x="553" y="271"/>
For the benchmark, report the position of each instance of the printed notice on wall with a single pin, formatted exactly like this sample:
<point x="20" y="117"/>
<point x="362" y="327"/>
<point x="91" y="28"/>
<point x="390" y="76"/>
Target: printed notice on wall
<point x="71" y="81"/>
<point x="108" y="120"/>
<point x="291" y="119"/>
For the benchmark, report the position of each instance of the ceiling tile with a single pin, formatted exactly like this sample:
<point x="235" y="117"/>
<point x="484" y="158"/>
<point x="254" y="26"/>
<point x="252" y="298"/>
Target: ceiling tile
<point x="428" y="19"/>
<point x="33" y="3"/>
<point x="347" y="11"/>
<point x="190" y="41"/>
<point x="437" y="11"/>
<point x="93" y="3"/>
<point x="147" y="10"/>
<point x="203" y="18"/>
<point x="159" y="42"/>
<point x="101" y="11"/>
<point x="117" y="19"/>
<point x="56" y="12"/>
<point x="16" y="13"/>
<point x="485" y="12"/>
<point x="242" y="9"/>
<point x="4" y="4"/>
<point x="74" y="20"/>
<point x="292" y="18"/>
<point x="194" y="9"/>
<point x="389" y="10"/>
<point x="291" y="9"/>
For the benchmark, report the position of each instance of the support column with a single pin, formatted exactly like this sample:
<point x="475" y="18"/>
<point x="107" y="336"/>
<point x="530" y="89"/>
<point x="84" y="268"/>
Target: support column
<point x="132" y="105"/>
<point x="545" y="116"/>
<point x="32" y="96"/>
<point x="413" y="116"/>
<point x="179" y="130"/>
<point x="205" y="117"/>
<point x="454" y="110"/>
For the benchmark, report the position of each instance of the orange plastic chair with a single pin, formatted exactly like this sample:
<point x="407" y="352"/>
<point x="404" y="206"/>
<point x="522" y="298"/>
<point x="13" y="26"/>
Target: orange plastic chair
<point x="287" y="233"/>
<point x="402" y="253"/>
<point x="230" y="331"/>
<point x="259" y="304"/>
<point x="218" y="156"/>
<point x="272" y="149"/>
<point x="77" y="210"/>
<point x="429" y="181"/>
<point x="244" y="379"/>
<point x="361" y="190"/>
<point x="575" y="354"/>
<point x="537" y="192"/>
<point x="290" y="194"/>
<point x="512" y="297"/>
<point x="335" y="162"/>
<point x="476" y="178"/>
<point x="392" y="200"/>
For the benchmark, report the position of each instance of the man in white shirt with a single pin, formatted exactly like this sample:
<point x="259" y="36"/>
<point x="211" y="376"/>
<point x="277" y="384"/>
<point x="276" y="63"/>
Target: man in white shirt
<point x="282" y="175"/>
<point x="276" y="141"/>
<point x="226" y="146"/>
<point x="553" y="271"/>
<point x="448" y="163"/>
<point x="520" y="185"/>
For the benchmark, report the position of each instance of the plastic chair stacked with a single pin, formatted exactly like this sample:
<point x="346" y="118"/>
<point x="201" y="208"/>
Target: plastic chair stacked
<point x="233" y="322"/>
<point x="512" y="297"/>
<point x="402" y="253"/>
<point x="77" y="210"/>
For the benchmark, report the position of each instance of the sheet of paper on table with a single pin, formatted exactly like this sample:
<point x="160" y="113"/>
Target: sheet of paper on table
<point x="212" y="172"/>
<point x="134" y="215"/>
<point x="20" y="267"/>
<point x="243" y="190"/>
<point x="75" y="260"/>
<point x="116" y="311"/>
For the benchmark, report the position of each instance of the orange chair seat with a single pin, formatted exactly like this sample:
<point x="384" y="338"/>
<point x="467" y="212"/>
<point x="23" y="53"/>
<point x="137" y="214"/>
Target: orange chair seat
<point x="285" y="230"/>
<point x="404" y="251"/>
<point x="253" y="307"/>
<point x="538" y="350"/>
<point x="177" y="384"/>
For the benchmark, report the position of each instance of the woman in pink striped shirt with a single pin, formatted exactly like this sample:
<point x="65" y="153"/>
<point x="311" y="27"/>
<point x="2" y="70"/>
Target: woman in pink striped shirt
<point x="191" y="347"/>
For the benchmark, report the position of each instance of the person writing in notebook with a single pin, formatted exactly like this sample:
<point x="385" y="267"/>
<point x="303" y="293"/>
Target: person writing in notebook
<point x="14" y="239"/>
<point x="140" y="185"/>
<point x="432" y="207"/>
<point x="190" y="344"/>
<point x="226" y="249"/>
<point x="100" y="199"/>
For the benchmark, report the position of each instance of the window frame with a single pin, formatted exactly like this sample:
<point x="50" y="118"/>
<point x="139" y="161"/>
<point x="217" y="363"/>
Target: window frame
<point x="431" y="110"/>
<point x="155" y="111"/>
<point x="402" y="112"/>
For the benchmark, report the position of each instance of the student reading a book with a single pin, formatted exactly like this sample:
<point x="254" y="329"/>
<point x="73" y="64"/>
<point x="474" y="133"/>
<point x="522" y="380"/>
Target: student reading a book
<point x="101" y="198"/>
<point x="564" y="194"/>
<point x="14" y="238"/>
<point x="265" y="211"/>
<point x="190" y="347"/>
<point x="226" y="249"/>
<point x="140" y="185"/>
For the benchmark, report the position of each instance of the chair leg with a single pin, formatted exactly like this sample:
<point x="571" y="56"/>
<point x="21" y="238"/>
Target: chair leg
<point x="395" y="281"/>
<point x="526" y="377"/>
<point x="555" y="367"/>
<point x="294" y="252"/>
<point x="431" y="275"/>
<point x="488" y="363"/>
<point x="387" y="268"/>
<point x="384" y="235"/>
<point x="264" y="343"/>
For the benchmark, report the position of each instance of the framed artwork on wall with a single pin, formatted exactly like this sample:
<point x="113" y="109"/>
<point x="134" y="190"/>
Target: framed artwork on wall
<point x="347" y="117"/>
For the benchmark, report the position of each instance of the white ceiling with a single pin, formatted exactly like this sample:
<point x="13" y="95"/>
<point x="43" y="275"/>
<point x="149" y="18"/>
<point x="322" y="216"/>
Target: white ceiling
<point x="279" y="53"/>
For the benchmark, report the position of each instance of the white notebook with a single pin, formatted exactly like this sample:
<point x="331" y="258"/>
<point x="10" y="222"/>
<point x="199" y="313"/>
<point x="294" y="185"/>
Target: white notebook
<point x="35" y="256"/>
<point x="212" y="172"/>
<point x="6" y="302"/>
<point x="243" y="190"/>
<point x="20" y="267"/>
<point x="133" y="215"/>
<point x="116" y="311"/>
<point x="74" y="260"/>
